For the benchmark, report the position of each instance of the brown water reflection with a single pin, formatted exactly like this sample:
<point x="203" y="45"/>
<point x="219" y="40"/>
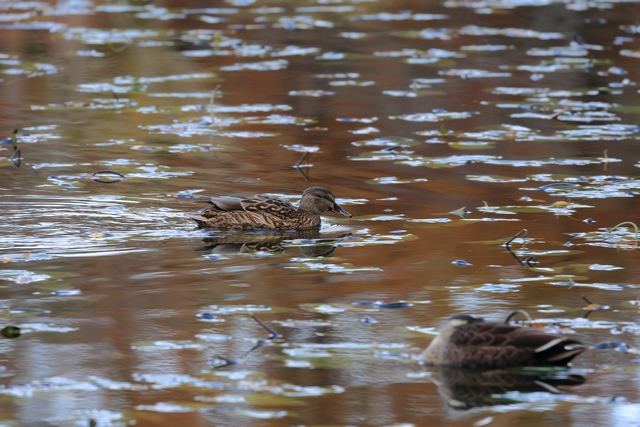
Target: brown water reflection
<point x="126" y="307"/>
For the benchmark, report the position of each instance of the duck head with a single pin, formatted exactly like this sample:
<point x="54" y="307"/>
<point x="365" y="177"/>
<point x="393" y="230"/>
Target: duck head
<point x="432" y="354"/>
<point x="318" y="200"/>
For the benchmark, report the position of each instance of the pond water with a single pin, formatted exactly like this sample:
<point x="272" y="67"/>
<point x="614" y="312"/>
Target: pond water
<point x="445" y="128"/>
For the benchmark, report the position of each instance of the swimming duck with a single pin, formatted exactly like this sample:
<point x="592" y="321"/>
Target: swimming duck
<point x="472" y="342"/>
<point x="263" y="212"/>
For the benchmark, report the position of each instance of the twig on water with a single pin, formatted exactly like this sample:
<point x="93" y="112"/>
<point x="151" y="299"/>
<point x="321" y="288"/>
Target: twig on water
<point x="107" y="176"/>
<point x="635" y="227"/>
<point x="516" y="312"/>
<point x="299" y="168"/>
<point x="297" y="165"/>
<point x="212" y="102"/>
<point x="530" y="261"/>
<point x="524" y="241"/>
<point x="273" y="335"/>
<point x="592" y="306"/>
<point x="16" y="157"/>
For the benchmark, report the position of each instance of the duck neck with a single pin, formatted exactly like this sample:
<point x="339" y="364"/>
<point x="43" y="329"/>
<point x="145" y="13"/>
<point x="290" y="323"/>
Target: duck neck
<point x="307" y="219"/>
<point x="306" y="207"/>
<point x="432" y="354"/>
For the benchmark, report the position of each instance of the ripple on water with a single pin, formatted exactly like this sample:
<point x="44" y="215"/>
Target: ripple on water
<point x="74" y="226"/>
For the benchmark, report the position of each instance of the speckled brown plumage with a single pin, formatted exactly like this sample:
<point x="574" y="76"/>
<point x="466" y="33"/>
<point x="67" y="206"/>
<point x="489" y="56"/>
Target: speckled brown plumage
<point x="471" y="342"/>
<point x="261" y="212"/>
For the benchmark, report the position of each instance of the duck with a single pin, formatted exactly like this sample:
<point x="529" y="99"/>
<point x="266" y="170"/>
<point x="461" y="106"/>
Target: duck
<point x="269" y="213"/>
<point x="472" y="342"/>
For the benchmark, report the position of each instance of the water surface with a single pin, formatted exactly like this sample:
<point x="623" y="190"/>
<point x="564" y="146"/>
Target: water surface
<point x="521" y="113"/>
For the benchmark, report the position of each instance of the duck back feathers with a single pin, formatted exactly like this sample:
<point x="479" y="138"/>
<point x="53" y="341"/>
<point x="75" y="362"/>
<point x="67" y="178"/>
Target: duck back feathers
<point x="471" y="342"/>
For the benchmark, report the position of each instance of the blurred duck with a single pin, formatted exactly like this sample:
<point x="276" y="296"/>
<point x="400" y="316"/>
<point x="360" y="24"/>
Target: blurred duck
<point x="263" y="212"/>
<point x="468" y="341"/>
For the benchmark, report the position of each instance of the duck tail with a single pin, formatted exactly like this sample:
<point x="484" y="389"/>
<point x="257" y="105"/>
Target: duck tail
<point x="199" y="219"/>
<point x="559" y="351"/>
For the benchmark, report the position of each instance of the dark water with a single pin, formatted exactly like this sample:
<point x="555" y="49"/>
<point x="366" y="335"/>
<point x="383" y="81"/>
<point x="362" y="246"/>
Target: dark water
<point x="524" y="113"/>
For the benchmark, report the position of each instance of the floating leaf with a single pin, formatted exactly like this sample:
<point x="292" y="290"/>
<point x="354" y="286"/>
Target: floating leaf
<point x="462" y="212"/>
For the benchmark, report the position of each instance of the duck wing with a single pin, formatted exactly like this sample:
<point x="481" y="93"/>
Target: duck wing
<point x="501" y="345"/>
<point x="226" y="203"/>
<point x="266" y="207"/>
<point x="256" y="212"/>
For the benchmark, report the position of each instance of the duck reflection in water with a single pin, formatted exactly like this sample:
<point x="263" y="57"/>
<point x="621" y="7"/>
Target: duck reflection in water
<point x="463" y="388"/>
<point x="470" y="356"/>
<point x="309" y="243"/>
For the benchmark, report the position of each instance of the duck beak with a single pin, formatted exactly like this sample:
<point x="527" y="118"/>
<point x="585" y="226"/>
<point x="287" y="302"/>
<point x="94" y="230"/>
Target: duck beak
<point x="337" y="209"/>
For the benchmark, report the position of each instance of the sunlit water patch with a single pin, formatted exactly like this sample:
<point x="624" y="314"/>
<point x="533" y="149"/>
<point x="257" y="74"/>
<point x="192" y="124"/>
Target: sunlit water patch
<point x="605" y="132"/>
<point x="277" y="64"/>
<point x="394" y="180"/>
<point x="227" y="109"/>
<point x="122" y="104"/>
<point x="473" y="30"/>
<point x="20" y="276"/>
<point x="473" y="74"/>
<point x="448" y="162"/>
<point x="80" y="227"/>
<point x="582" y="187"/>
<point x="623" y="236"/>
<point x="435" y="116"/>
